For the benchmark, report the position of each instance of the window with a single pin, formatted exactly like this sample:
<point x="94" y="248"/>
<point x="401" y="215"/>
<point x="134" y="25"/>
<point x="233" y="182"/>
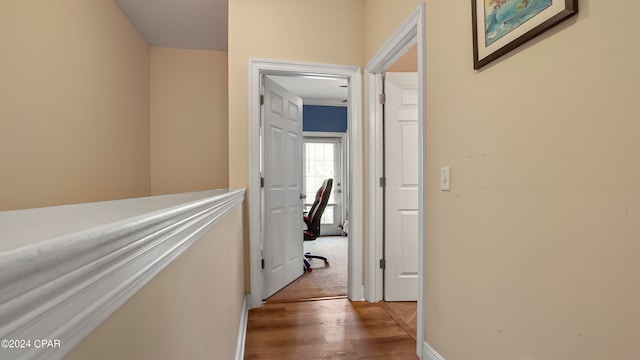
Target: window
<point x="320" y="162"/>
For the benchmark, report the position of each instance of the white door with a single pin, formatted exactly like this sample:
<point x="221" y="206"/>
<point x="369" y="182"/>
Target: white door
<point x="282" y="171"/>
<point x="401" y="190"/>
<point x="322" y="159"/>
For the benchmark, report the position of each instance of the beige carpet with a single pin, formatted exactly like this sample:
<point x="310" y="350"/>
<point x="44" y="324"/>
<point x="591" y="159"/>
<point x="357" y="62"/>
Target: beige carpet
<point x="322" y="281"/>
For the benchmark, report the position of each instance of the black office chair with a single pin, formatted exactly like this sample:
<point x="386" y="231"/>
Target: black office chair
<point x="312" y="220"/>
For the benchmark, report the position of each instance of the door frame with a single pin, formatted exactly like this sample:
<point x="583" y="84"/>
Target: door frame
<point x="262" y="67"/>
<point x="411" y="32"/>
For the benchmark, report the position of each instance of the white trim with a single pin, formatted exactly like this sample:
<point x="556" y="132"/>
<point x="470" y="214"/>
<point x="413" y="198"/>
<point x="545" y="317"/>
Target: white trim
<point x="429" y="353"/>
<point x="326" y="134"/>
<point x="242" y="329"/>
<point x="64" y="287"/>
<point x="373" y="191"/>
<point x="324" y="102"/>
<point x="411" y="32"/>
<point x="258" y="67"/>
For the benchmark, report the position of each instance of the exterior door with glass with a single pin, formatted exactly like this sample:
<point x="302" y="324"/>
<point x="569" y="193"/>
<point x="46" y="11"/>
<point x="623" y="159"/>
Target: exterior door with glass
<point x="322" y="158"/>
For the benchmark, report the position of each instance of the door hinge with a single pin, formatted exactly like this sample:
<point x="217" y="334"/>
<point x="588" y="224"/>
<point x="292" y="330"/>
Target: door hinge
<point x="262" y="182"/>
<point x="262" y="263"/>
<point x="383" y="264"/>
<point x="383" y="99"/>
<point x="383" y="181"/>
<point x="261" y="99"/>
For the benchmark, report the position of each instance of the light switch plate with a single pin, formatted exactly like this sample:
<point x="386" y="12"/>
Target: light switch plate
<point x="445" y="178"/>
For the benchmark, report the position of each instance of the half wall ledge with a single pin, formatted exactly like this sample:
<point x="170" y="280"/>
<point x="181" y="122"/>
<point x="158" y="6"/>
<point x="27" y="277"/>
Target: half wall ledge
<point x="65" y="269"/>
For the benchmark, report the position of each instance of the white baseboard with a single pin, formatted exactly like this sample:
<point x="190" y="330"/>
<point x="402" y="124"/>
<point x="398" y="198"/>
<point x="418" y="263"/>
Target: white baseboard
<point x="429" y="353"/>
<point x="358" y="294"/>
<point x="242" y="329"/>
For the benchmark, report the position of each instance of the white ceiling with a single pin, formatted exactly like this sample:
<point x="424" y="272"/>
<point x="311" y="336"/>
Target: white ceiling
<point x="315" y="91"/>
<point x="182" y="24"/>
<point x="203" y="25"/>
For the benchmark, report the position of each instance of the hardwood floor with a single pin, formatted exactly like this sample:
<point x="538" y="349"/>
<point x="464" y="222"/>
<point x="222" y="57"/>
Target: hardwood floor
<point x="405" y="313"/>
<point x="326" y="329"/>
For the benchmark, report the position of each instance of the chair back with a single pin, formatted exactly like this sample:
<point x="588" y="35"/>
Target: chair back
<point x="318" y="206"/>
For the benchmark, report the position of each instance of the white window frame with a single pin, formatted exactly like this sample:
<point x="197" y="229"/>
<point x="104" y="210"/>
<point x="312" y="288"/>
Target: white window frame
<point x="344" y="165"/>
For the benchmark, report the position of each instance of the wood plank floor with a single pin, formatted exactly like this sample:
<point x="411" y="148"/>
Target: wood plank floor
<point x="326" y="329"/>
<point x="405" y="313"/>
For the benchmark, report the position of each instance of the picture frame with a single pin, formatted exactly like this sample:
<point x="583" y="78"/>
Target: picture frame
<point x="500" y="26"/>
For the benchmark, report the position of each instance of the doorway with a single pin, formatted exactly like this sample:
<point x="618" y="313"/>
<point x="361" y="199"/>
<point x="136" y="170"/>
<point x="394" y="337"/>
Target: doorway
<point x="259" y="69"/>
<point x="411" y="32"/>
<point x="321" y="157"/>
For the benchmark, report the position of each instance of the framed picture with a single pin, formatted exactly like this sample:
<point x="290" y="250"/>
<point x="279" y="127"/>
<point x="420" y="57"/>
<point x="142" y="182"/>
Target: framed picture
<point x="500" y="26"/>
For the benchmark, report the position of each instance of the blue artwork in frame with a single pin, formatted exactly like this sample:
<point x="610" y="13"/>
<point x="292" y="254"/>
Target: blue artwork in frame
<point x="499" y="26"/>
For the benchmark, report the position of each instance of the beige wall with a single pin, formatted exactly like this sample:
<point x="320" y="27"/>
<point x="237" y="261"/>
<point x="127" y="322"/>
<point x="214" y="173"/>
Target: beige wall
<point x="74" y="104"/>
<point x="162" y="322"/>
<point x="382" y="19"/>
<point x="407" y="63"/>
<point x="533" y="254"/>
<point x="76" y="99"/>
<point x="330" y="32"/>
<point x="189" y="103"/>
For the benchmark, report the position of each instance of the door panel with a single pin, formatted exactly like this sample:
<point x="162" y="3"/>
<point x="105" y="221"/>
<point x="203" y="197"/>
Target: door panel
<point x="401" y="191"/>
<point x="282" y="170"/>
<point x="409" y="232"/>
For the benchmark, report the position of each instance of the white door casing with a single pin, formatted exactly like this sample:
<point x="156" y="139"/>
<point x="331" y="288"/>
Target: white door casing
<point x="401" y="189"/>
<point x="282" y="157"/>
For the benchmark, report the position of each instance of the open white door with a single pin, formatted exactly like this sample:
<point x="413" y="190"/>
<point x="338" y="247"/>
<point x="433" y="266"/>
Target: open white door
<point x="401" y="190"/>
<point x="282" y="171"/>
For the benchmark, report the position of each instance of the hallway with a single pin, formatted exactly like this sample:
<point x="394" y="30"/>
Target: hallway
<point x="326" y="329"/>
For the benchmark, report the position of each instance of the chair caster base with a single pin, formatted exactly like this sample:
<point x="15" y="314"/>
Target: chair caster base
<point x="307" y="264"/>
